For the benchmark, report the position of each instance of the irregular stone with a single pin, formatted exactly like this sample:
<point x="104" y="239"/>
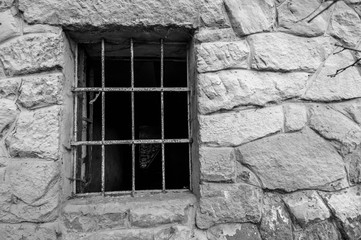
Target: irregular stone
<point x="245" y="175"/>
<point x="228" y="203"/>
<point x="276" y="223"/>
<point x="307" y="207"/>
<point x="8" y="114"/>
<point x="290" y="14"/>
<point x="9" y="88"/>
<point x="88" y="14"/>
<point x="353" y="164"/>
<point x="217" y="164"/>
<point x="234" y="231"/>
<point x="231" y="88"/>
<point x="40" y="28"/>
<point x="215" y="35"/>
<point x="9" y="25"/>
<point x="335" y="126"/>
<point x="319" y="231"/>
<point x="294" y="161"/>
<point x="42" y="90"/>
<point x="351" y="109"/>
<point x="249" y="17"/>
<point x="38" y="52"/>
<point x="177" y="232"/>
<point x="345" y="24"/>
<point x="346" y="206"/>
<point x="235" y="128"/>
<point x="4" y="4"/>
<point x="295" y="117"/>
<point x="285" y="52"/>
<point x="327" y="87"/>
<point x="213" y="14"/>
<point x="36" y="134"/>
<point x="222" y="55"/>
<point x="47" y="231"/>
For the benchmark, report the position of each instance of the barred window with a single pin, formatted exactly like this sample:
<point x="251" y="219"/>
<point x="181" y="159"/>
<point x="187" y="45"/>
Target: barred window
<point x="132" y="129"/>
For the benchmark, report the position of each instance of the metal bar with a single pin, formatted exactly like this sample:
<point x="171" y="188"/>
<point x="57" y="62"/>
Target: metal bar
<point x="189" y="126"/>
<point x="75" y="118"/>
<point x="113" y="89"/>
<point x="145" y="59"/>
<point x="103" y="119"/>
<point x="139" y="192"/>
<point x="133" y="124"/>
<point x="128" y="142"/>
<point x="162" y="110"/>
<point x="122" y="42"/>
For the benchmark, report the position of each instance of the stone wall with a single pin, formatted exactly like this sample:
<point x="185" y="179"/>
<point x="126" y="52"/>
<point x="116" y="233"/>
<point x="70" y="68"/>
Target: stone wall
<point x="277" y="139"/>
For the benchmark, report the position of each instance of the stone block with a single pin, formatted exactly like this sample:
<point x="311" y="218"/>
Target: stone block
<point x="228" y="203"/>
<point x="294" y="161"/>
<point x="38" y="52"/>
<point x="249" y="17"/>
<point x="353" y="164"/>
<point x="295" y="117"/>
<point x="319" y="231"/>
<point x="213" y="14"/>
<point x="222" y="55"/>
<point x="307" y="207"/>
<point x="244" y="231"/>
<point x="36" y="134"/>
<point x="215" y="35"/>
<point x="42" y="90"/>
<point x="285" y="52"/>
<point x="8" y="114"/>
<point x="245" y="175"/>
<point x="232" y="88"/>
<point x="5" y="4"/>
<point x="217" y="164"/>
<point x="346" y="206"/>
<point x="9" y="88"/>
<point x="47" y="231"/>
<point x="235" y="128"/>
<point x="9" y="25"/>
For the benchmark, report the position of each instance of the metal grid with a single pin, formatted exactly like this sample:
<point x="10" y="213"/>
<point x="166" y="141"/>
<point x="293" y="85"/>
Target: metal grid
<point x="133" y="142"/>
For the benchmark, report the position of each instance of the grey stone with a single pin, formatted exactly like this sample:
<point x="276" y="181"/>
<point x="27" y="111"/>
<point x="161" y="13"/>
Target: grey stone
<point x="215" y="35"/>
<point x="42" y="90"/>
<point x="9" y="88"/>
<point x="222" y="55"/>
<point x="217" y="164"/>
<point x="235" y="128"/>
<point x="307" y="207"/>
<point x="290" y="14"/>
<point x="351" y="109"/>
<point x="285" y="52"/>
<point x="47" y="231"/>
<point x="245" y="175"/>
<point x="346" y="206"/>
<point x="8" y="114"/>
<point x="276" y="223"/>
<point x="5" y="4"/>
<point x="40" y="28"/>
<point x="231" y="88"/>
<point x="213" y="14"/>
<point x="353" y="163"/>
<point x="228" y="203"/>
<point x="234" y="231"/>
<point x="249" y="17"/>
<point x="319" y="231"/>
<point x="9" y="25"/>
<point x="37" y="51"/>
<point x="294" y="161"/>
<point x="36" y="134"/>
<point x="295" y="117"/>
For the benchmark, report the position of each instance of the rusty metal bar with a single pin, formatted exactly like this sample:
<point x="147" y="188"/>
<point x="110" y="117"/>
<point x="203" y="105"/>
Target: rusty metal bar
<point x="103" y="119"/>
<point x="75" y="118"/>
<point x="162" y="110"/>
<point x="138" y="89"/>
<point x="128" y="142"/>
<point x="133" y="121"/>
<point x="189" y="126"/>
<point x="121" y="193"/>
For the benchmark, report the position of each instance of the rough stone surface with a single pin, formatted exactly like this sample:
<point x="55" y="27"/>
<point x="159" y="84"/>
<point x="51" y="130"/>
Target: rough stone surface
<point x="31" y="53"/>
<point x="319" y="231"/>
<point x="213" y="14"/>
<point x="215" y="35"/>
<point x="78" y="15"/>
<point x="9" y="25"/>
<point x="351" y="109"/>
<point x="36" y="134"/>
<point x="47" y="231"/>
<point x="231" y="88"/>
<point x="346" y="206"/>
<point x="294" y="161"/>
<point x="285" y="52"/>
<point x="306" y="207"/>
<point x="4" y="4"/>
<point x="217" y="164"/>
<point x="295" y="117"/>
<point x="290" y="13"/>
<point x="353" y="163"/>
<point x="222" y="55"/>
<point x="228" y="203"/>
<point x="276" y="223"/>
<point x="235" y="128"/>
<point x="8" y="114"/>
<point x="245" y="231"/>
<point x="249" y="17"/>
<point x="42" y="90"/>
<point x="9" y="88"/>
<point x="335" y="126"/>
<point x="245" y="175"/>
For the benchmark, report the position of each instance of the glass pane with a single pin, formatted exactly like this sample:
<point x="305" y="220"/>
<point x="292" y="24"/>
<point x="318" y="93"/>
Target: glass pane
<point x="175" y="115"/>
<point x="177" y="166"/>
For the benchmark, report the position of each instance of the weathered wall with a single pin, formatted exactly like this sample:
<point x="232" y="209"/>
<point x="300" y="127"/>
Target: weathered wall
<point x="278" y="150"/>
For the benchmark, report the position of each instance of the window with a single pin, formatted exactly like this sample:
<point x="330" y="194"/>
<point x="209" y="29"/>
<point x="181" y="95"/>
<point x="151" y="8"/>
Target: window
<point x="131" y="117"/>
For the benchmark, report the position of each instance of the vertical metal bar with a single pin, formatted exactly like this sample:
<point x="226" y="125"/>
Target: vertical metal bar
<point x="189" y="123"/>
<point x="91" y="127"/>
<point x="75" y="119"/>
<point x="162" y="110"/>
<point x="133" y="125"/>
<point x="103" y="118"/>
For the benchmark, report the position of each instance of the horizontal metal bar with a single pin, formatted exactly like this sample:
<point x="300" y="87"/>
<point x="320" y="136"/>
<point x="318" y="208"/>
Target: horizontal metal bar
<point x="129" y="89"/>
<point x="138" y="141"/>
<point x="137" y="192"/>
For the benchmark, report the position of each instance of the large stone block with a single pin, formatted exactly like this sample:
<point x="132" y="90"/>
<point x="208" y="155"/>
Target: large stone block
<point x="243" y="231"/>
<point x="231" y="88"/>
<point x="249" y="17"/>
<point x="47" y="231"/>
<point x="36" y="134"/>
<point x="222" y="55"/>
<point x="285" y="52"/>
<point x="213" y="14"/>
<point x="215" y="35"/>
<point x="217" y="164"/>
<point x="346" y="206"/>
<point x="9" y="88"/>
<point x="295" y="117"/>
<point x="294" y="161"/>
<point x="228" y="203"/>
<point x="319" y="231"/>
<point x="42" y="90"/>
<point x="4" y="4"/>
<point x="235" y="128"/>
<point x="9" y="25"/>
<point x="8" y="114"/>
<point x="32" y="53"/>
<point x="80" y="15"/>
